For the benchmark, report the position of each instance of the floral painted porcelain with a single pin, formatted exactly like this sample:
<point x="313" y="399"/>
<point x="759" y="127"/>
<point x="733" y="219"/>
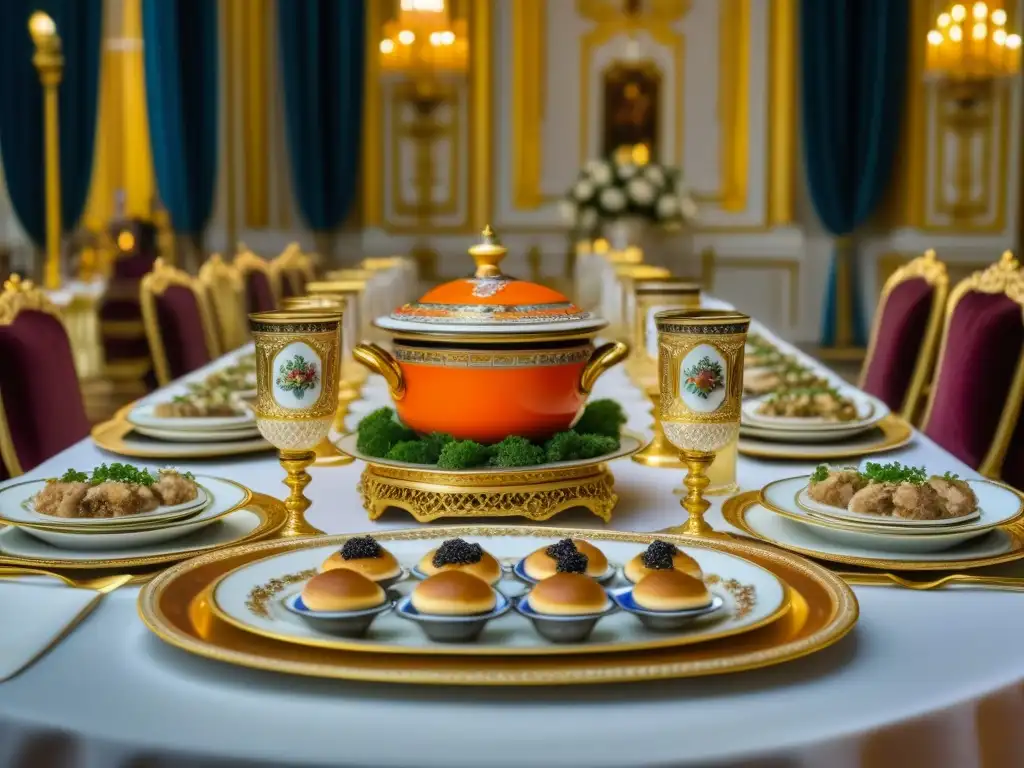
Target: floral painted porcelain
<point x="489" y="356"/>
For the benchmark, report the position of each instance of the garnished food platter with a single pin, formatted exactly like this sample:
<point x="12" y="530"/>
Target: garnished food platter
<point x="178" y="607"/>
<point x="747" y="596"/>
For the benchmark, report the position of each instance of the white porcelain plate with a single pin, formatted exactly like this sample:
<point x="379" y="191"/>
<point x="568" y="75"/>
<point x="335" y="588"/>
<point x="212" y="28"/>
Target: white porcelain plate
<point x="870" y="410"/>
<point x="509" y="634"/>
<point x="999" y="505"/>
<point x="225" y="498"/>
<point x="816" y="542"/>
<point x="628" y="444"/>
<point x="870" y="441"/>
<point x="17" y="508"/>
<point x="198" y="436"/>
<point x="800" y="436"/>
<point x="143" y="416"/>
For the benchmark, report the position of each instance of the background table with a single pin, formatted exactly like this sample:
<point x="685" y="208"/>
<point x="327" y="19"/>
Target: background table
<point x="926" y="679"/>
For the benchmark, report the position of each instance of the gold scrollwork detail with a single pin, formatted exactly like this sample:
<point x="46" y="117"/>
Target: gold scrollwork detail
<point x="426" y="501"/>
<point x="485" y="359"/>
<point x="673" y="349"/>
<point x="268" y="346"/>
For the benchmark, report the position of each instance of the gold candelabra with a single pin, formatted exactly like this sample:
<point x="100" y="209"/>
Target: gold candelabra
<point x="49" y="62"/>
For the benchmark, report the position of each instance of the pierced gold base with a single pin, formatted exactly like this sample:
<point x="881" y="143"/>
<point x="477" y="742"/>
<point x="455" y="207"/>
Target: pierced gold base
<point x="295" y="464"/>
<point x="533" y="494"/>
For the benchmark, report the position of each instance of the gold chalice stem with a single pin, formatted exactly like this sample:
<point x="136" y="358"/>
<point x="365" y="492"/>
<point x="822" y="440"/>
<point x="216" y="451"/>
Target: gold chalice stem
<point x="694" y="503"/>
<point x="295" y="464"/>
<point x="659" y="452"/>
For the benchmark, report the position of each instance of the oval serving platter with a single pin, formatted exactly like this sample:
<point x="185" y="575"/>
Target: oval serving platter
<point x="242" y="599"/>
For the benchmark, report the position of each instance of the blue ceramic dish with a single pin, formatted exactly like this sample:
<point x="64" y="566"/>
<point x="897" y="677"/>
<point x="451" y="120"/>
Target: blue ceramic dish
<point x="453" y="629"/>
<point x="342" y="623"/>
<point x="664" y="620"/>
<point x="563" y="629"/>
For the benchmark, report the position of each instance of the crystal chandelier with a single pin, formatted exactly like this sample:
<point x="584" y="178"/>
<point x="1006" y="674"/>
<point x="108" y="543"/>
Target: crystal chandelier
<point x="969" y="48"/>
<point x="424" y="41"/>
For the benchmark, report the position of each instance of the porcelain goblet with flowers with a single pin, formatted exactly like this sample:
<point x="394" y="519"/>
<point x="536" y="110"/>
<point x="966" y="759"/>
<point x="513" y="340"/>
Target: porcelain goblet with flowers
<point x="297" y="359"/>
<point x="700" y="363"/>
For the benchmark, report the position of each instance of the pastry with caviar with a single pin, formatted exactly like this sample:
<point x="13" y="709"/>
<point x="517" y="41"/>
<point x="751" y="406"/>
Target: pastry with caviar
<point x="453" y="593"/>
<point x="365" y="556"/>
<point x="670" y="590"/>
<point x="570" y="592"/>
<point x="660" y="556"/>
<point x="460" y="555"/>
<point x="544" y="562"/>
<point x="341" y="590"/>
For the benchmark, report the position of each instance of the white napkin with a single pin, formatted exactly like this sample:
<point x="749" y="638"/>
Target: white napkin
<point x="34" y="614"/>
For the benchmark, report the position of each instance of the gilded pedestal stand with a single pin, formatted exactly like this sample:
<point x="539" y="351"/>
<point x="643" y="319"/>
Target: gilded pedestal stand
<point x="297" y="355"/>
<point x="700" y="359"/>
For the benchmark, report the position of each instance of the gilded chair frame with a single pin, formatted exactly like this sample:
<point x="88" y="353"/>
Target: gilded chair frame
<point x="154" y="284"/>
<point x="1004" y="277"/>
<point x="291" y="261"/>
<point x="933" y="272"/>
<point x="225" y="295"/>
<point x="246" y="262"/>
<point x="19" y="296"/>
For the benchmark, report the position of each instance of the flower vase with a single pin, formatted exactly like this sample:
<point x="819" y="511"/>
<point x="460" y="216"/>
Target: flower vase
<point x="626" y="232"/>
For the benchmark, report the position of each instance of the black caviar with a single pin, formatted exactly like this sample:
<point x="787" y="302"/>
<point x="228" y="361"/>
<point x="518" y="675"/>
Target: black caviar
<point x="457" y="552"/>
<point x="658" y="556"/>
<point x="572" y="562"/>
<point x="561" y="548"/>
<point x="360" y="548"/>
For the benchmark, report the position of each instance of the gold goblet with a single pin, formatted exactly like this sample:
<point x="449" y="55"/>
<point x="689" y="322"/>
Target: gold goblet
<point x="297" y="355"/>
<point x="651" y="296"/>
<point x="700" y="359"/>
<point x="352" y="293"/>
<point x="659" y="452"/>
<point x="327" y="455"/>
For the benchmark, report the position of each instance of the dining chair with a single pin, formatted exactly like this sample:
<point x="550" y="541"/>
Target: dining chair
<point x="41" y="407"/>
<point x="225" y="296"/>
<point x="905" y="334"/>
<point x="292" y="270"/>
<point x="178" y="324"/>
<point x="979" y="378"/>
<point x="259" y="282"/>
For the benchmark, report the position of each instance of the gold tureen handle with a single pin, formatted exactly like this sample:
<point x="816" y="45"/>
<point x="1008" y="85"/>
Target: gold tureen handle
<point x="603" y="358"/>
<point x="380" y="361"/>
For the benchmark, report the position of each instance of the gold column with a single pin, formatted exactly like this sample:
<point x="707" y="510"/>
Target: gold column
<point x="49" y="61"/>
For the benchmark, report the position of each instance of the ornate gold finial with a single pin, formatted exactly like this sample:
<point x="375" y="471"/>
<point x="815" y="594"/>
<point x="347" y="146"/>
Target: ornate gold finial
<point x="930" y="254"/>
<point x="14" y="284"/>
<point x="488" y="254"/>
<point x="1007" y="261"/>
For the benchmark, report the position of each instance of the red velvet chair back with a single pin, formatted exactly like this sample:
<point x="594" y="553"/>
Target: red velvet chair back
<point x="259" y="292"/>
<point x="42" y="402"/>
<point x="905" y="334"/>
<point x="178" y="323"/>
<point x="975" y="398"/>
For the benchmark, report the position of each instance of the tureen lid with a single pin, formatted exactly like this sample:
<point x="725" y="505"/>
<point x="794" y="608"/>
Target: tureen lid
<point x="491" y="302"/>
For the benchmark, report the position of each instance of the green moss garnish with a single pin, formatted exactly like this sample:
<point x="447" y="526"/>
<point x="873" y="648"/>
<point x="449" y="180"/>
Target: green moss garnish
<point x="412" y="451"/>
<point x="74" y="476"/>
<point x="601" y="417"/>
<point x="950" y="476"/>
<point x="516" y="451"/>
<point x="820" y="473"/>
<point x="463" y="454"/>
<point x="894" y="473"/>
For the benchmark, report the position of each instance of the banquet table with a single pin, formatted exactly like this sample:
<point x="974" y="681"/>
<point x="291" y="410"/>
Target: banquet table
<point x="925" y="679"/>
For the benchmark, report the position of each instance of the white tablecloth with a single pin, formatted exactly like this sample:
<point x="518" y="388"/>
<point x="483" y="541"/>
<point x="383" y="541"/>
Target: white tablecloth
<point x="925" y="679"/>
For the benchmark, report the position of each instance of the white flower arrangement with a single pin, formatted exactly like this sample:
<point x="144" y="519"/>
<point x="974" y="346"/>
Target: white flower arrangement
<point x="608" y="189"/>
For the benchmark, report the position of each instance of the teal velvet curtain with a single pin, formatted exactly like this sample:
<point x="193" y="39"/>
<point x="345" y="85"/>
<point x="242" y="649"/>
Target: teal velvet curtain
<point x="321" y="51"/>
<point x="181" y="63"/>
<point x="79" y="24"/>
<point x="854" y="67"/>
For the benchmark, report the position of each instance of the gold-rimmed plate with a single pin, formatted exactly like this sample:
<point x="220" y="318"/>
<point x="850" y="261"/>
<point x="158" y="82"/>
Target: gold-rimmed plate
<point x="117" y="436"/>
<point x="258" y="517"/>
<point x="1001" y="545"/>
<point x="249" y="598"/>
<point x="890" y="433"/>
<point x="176" y="607"/>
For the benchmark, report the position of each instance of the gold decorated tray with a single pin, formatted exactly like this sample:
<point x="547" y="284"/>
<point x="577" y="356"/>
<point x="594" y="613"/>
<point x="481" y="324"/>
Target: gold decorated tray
<point x="118" y="436"/>
<point x="177" y="607"/>
<point x="890" y="433"/>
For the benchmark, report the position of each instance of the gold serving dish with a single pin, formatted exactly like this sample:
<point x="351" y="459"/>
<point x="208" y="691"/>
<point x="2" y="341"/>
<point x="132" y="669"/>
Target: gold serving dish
<point x="176" y="606"/>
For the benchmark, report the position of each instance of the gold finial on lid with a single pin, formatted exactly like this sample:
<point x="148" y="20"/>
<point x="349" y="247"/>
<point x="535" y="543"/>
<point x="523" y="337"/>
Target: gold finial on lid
<point x="488" y="254"/>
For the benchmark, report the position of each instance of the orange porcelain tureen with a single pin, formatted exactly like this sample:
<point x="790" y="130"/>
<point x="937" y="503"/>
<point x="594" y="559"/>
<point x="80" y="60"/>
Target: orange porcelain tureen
<point x="490" y="356"/>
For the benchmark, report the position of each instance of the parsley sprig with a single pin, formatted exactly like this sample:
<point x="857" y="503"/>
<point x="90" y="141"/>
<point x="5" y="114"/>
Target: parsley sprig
<point x="74" y="476"/>
<point x="894" y="473"/>
<point x="110" y="473"/>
